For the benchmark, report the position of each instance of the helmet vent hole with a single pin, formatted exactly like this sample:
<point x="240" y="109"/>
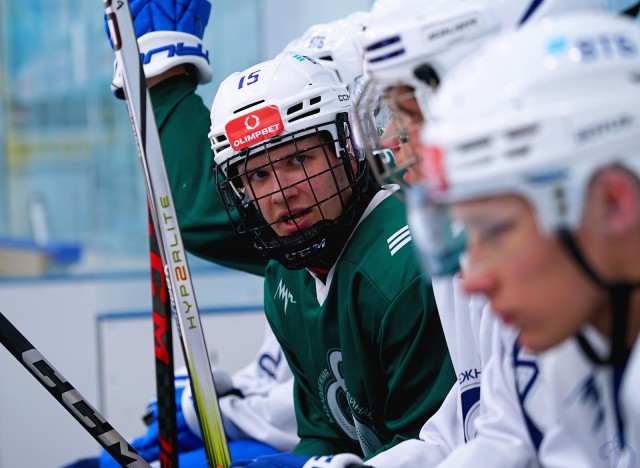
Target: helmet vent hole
<point x="475" y="145"/>
<point x="293" y="109"/>
<point x="427" y="75"/>
<point x="518" y="152"/>
<point x="328" y="58"/>
<point x="314" y="100"/>
<point x="306" y="114"/>
<point x="522" y="132"/>
<point x="248" y="106"/>
<point x="221" y="148"/>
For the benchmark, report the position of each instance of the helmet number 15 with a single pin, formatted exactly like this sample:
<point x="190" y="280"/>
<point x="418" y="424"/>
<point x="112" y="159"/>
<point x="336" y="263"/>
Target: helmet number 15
<point x="251" y="78"/>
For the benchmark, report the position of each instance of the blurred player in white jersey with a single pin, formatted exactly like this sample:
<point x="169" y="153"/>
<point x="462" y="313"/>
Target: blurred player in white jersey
<point x="532" y="171"/>
<point x="406" y="57"/>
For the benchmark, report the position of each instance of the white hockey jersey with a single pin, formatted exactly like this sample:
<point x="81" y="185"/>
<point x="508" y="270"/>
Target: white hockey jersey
<point x="473" y="334"/>
<point x="580" y="396"/>
<point x="630" y="404"/>
<point x="553" y="410"/>
<point x="266" y="413"/>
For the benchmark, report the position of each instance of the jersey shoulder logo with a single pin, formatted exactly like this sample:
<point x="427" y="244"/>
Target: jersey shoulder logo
<point x="284" y="294"/>
<point x="399" y="239"/>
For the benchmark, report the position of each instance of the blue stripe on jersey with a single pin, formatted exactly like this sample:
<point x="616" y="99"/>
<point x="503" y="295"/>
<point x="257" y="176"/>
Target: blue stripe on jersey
<point x="532" y="8"/>
<point x="535" y="433"/>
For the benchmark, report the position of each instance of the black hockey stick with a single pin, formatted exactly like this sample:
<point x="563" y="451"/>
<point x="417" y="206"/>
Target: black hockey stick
<point x="68" y="396"/>
<point x="169" y="239"/>
<point x="163" y="351"/>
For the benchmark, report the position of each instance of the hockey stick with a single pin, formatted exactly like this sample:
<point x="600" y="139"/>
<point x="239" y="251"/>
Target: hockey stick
<point x="68" y="396"/>
<point x="169" y="238"/>
<point x="163" y="351"/>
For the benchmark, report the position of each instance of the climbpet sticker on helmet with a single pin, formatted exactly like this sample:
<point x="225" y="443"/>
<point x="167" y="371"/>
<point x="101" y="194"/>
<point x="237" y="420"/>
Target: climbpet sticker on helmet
<point x="254" y="127"/>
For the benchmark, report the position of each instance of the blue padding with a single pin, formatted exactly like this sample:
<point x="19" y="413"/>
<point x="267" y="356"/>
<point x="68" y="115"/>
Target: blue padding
<point x="189" y="16"/>
<point x="59" y="252"/>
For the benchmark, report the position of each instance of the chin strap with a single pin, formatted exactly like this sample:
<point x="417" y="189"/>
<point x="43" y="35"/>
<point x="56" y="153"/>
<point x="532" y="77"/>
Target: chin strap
<point x="632" y="11"/>
<point x="619" y="292"/>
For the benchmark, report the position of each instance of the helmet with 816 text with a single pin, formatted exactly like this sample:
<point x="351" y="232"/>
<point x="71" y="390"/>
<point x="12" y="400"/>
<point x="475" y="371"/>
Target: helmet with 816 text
<point x="409" y="46"/>
<point x="284" y="160"/>
<point x="335" y="45"/>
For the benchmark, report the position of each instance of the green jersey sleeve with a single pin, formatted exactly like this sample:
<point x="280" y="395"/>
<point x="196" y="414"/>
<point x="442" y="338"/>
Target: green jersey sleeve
<point x="183" y="123"/>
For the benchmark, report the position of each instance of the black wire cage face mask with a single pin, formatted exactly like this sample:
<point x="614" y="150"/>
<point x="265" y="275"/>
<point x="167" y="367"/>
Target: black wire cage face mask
<point x="294" y="196"/>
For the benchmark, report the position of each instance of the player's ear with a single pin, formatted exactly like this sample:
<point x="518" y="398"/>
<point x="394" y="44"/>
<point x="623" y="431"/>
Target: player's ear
<point x="613" y="203"/>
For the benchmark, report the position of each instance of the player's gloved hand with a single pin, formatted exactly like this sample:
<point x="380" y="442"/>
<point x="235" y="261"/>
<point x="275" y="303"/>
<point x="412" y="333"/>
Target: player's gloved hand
<point x="224" y="386"/>
<point x="188" y="430"/>
<point x="290" y="460"/>
<point x="169" y="33"/>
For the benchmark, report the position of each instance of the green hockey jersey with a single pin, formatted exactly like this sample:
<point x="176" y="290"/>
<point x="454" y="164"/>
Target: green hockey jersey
<point x="367" y="348"/>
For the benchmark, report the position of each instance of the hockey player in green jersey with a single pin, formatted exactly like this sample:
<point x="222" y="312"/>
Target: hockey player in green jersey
<point x="343" y="292"/>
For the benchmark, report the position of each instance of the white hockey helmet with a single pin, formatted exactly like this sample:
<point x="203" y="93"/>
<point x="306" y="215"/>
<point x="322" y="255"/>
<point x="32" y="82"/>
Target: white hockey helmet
<point x="335" y="45"/>
<point x="276" y="103"/>
<point x="294" y="92"/>
<point x="537" y="113"/>
<point x="414" y="44"/>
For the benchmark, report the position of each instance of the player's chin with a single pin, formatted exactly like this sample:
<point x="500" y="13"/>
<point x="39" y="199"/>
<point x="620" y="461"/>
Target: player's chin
<point x="538" y="339"/>
<point x="413" y="176"/>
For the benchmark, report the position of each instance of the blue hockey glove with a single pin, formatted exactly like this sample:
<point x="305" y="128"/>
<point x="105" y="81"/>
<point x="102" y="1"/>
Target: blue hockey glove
<point x="169" y="33"/>
<point x="290" y="460"/>
<point x="148" y="445"/>
<point x="188" y="430"/>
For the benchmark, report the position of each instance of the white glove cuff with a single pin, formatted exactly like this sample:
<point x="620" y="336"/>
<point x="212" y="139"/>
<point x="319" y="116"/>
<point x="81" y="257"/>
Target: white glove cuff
<point x="162" y="50"/>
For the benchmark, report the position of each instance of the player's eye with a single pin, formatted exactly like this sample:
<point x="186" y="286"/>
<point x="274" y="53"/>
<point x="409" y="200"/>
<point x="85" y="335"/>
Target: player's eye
<point x="257" y="175"/>
<point x="299" y="159"/>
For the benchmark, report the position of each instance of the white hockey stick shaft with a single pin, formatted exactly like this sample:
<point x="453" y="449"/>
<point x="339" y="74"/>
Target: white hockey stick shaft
<point x="166" y="224"/>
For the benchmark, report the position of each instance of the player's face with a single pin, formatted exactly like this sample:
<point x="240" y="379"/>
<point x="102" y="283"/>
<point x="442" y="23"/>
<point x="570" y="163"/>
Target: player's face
<point x="529" y="278"/>
<point x="402" y="134"/>
<point x="295" y="186"/>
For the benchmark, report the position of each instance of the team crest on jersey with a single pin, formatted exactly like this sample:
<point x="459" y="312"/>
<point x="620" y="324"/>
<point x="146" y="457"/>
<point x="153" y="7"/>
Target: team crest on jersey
<point x="254" y="127"/>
